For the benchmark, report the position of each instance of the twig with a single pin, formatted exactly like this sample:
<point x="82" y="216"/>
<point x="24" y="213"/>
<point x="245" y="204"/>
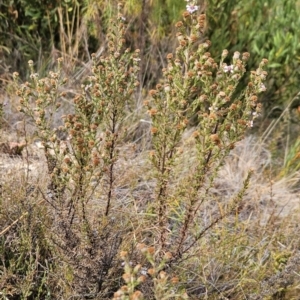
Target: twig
<point x="17" y="220"/>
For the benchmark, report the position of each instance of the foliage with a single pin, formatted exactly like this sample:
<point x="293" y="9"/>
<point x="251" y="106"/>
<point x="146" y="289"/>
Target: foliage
<point x="75" y="28"/>
<point x="269" y="29"/>
<point x="88" y="161"/>
<point x="47" y="30"/>
<point x="195" y="84"/>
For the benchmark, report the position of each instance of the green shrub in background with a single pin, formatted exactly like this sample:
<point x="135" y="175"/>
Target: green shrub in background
<point x="267" y="28"/>
<point x="73" y="29"/>
<point x="46" y="30"/>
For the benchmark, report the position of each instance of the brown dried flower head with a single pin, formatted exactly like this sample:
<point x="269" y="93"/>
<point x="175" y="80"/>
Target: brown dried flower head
<point x="152" y="93"/>
<point x="178" y="24"/>
<point x="186" y="14"/>
<point x="215" y="138"/>
<point x="152" y="112"/>
<point x="245" y="56"/>
<point x="170" y="56"/>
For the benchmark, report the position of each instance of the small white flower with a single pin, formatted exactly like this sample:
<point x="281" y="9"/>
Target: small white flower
<point x="250" y="124"/>
<point x="87" y="87"/>
<point x="262" y="88"/>
<point x="213" y="108"/>
<point x="167" y="88"/>
<point x="228" y="69"/>
<point x="35" y="75"/>
<point x="144" y="271"/>
<point x="123" y="264"/>
<point x="192" y="8"/>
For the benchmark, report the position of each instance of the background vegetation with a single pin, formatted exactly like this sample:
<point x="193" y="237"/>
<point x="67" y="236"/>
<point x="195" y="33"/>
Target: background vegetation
<point x="135" y="174"/>
<point x="74" y="29"/>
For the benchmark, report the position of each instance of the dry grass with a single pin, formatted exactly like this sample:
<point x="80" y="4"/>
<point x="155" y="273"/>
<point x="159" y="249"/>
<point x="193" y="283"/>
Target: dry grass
<point x="249" y="256"/>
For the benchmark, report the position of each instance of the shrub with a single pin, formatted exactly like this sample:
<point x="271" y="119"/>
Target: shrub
<point x="269" y="29"/>
<point x="167" y="233"/>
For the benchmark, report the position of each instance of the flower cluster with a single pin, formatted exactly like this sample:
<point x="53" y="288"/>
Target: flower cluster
<point x="191" y="7"/>
<point x="163" y="284"/>
<point x="199" y="91"/>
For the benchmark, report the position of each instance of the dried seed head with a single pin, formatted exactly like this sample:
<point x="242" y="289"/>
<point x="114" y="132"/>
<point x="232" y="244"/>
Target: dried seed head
<point x="212" y="116"/>
<point x="182" y="43"/>
<point x="245" y="56"/>
<point x="196" y="134"/>
<point x="154" y="130"/>
<point x="151" y="154"/>
<point x="264" y="62"/>
<point x="242" y="122"/>
<point x="151" y="250"/>
<point x="137" y="295"/>
<point x="67" y="159"/>
<point x="202" y="17"/>
<point x="118" y="294"/>
<point x="91" y="144"/>
<point x="253" y="98"/>
<point x="174" y="280"/>
<point x="137" y="268"/>
<point x="158" y="86"/>
<point x="152" y="93"/>
<point x="202" y="98"/>
<point x="224" y="53"/>
<point x="215" y="138"/>
<point x="213" y="86"/>
<point x="163" y="275"/>
<point x="193" y="38"/>
<point x="190" y="74"/>
<point x="170" y="56"/>
<point x="126" y="277"/>
<point x="152" y="112"/>
<point x="227" y="127"/>
<point x="123" y="254"/>
<point x="151" y="271"/>
<point x="141" y="279"/>
<point x="186" y="14"/>
<point x="178" y="24"/>
<point x="233" y="106"/>
<point x="168" y="255"/>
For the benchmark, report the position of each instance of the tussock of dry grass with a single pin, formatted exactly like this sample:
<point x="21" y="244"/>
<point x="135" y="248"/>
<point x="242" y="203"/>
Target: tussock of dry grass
<point x="266" y="195"/>
<point x="254" y="254"/>
<point x="237" y="258"/>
